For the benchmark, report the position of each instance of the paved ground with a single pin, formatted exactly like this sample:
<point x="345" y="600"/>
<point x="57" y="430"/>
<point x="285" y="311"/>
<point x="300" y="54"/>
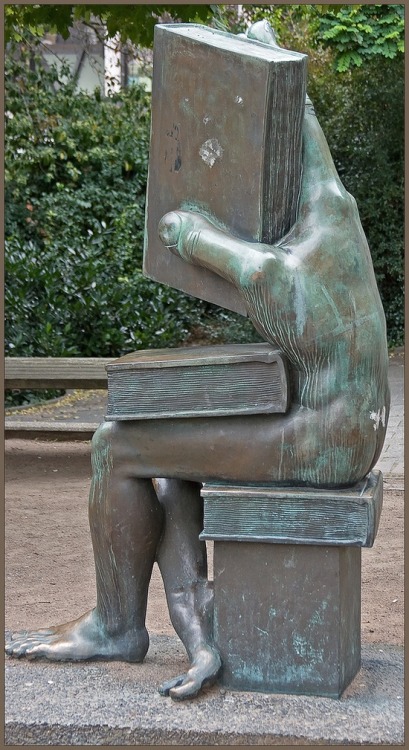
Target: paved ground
<point x="392" y="458"/>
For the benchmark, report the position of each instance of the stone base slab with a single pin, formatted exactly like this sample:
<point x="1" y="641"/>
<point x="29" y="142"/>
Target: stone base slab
<point x="104" y="703"/>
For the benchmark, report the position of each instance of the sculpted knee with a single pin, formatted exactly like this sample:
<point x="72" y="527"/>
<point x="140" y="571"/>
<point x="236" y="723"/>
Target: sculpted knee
<point x="114" y="442"/>
<point x="103" y="437"/>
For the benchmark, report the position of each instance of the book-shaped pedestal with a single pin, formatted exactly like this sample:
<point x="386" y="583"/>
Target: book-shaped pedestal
<point x="203" y="381"/>
<point x="226" y="140"/>
<point x="287" y="582"/>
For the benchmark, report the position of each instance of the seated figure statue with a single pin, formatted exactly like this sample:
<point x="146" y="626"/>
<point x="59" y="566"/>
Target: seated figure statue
<point x="313" y="295"/>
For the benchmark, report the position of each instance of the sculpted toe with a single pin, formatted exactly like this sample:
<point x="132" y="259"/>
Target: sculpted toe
<point x="186" y="690"/>
<point x="166" y="687"/>
<point x="16" y="649"/>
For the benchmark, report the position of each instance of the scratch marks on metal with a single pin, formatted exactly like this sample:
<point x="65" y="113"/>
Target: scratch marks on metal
<point x="173" y="151"/>
<point x="306" y="650"/>
<point x="378" y="417"/>
<point x="289" y="562"/>
<point x="210" y="151"/>
<point x="264" y="632"/>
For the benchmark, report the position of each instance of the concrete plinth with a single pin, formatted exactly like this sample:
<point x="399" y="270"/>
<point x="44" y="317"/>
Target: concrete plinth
<point x="112" y="703"/>
<point x="287" y="583"/>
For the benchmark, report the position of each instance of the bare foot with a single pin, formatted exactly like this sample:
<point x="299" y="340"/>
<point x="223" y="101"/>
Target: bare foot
<point x="204" y="670"/>
<point x="78" y="640"/>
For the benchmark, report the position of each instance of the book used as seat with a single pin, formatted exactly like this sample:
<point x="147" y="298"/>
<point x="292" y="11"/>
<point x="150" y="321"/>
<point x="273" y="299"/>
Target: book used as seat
<point x="226" y="139"/>
<point x="202" y="381"/>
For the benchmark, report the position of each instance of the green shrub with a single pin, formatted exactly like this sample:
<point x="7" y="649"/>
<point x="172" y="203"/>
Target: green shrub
<point x="76" y="171"/>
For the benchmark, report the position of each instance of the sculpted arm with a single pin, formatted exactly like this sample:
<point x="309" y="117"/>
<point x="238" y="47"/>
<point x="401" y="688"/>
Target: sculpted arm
<point x="198" y="241"/>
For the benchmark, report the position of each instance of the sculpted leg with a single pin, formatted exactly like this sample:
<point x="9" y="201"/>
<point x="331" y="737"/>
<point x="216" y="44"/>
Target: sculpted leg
<point x="126" y="519"/>
<point x="182" y="561"/>
<point x="126" y="523"/>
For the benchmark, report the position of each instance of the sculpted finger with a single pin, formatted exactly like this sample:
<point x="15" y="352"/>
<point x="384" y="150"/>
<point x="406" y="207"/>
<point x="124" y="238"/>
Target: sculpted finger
<point x="169" y="230"/>
<point x="261" y="31"/>
<point x="180" y="230"/>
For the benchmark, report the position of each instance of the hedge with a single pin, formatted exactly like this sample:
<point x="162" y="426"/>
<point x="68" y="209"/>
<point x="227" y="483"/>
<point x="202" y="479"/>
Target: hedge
<point x="76" y="171"/>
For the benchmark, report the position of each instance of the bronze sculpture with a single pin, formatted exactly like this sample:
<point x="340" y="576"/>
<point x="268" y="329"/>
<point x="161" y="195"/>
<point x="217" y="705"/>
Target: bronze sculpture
<point x="313" y="295"/>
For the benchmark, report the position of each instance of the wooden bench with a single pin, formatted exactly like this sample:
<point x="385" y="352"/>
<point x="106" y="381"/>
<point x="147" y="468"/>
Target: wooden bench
<point x="42" y="373"/>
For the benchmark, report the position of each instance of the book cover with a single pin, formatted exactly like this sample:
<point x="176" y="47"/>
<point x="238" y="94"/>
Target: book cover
<point x="226" y="140"/>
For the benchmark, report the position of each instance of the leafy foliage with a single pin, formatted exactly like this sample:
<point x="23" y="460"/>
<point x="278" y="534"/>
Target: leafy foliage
<point x="15" y="397"/>
<point x="136" y="22"/>
<point x="355" y="33"/>
<point x="76" y="170"/>
<point x="132" y="22"/>
<point x="359" y="32"/>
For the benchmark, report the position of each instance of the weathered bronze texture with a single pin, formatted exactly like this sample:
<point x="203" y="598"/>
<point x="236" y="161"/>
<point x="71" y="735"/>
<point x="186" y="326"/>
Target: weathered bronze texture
<point x="293" y="515"/>
<point x="287" y="617"/>
<point x="226" y="140"/>
<point x="201" y="381"/>
<point x="313" y="296"/>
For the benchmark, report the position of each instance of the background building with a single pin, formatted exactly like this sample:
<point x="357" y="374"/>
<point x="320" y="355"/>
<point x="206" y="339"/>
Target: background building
<point x="96" y="62"/>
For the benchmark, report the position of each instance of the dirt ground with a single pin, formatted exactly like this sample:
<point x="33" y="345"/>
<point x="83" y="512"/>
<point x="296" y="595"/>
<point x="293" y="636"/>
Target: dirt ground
<point x="49" y="560"/>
